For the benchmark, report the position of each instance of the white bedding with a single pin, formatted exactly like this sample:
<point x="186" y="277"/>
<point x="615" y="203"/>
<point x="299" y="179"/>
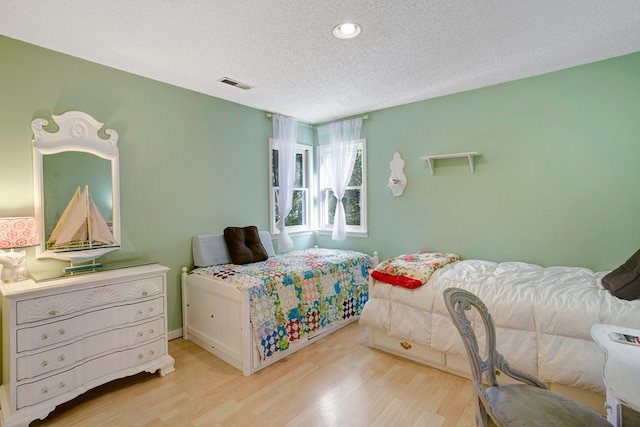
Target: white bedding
<point x="543" y="316"/>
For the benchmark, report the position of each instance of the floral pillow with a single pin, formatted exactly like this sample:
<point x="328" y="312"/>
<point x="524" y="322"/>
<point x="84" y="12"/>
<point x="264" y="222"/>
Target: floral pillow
<point x="412" y="270"/>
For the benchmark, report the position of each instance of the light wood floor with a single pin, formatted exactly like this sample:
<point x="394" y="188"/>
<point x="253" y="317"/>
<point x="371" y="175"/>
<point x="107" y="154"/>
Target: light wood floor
<point x="337" y="381"/>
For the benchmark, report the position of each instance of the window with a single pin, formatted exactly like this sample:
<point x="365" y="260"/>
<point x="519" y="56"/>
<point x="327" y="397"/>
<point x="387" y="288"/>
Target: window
<point x="299" y="219"/>
<point x="355" y="197"/>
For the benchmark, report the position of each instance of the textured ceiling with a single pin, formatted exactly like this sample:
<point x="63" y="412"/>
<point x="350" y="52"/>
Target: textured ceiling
<point x="408" y="50"/>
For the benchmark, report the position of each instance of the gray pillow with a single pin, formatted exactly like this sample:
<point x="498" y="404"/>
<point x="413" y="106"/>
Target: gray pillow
<point x="209" y="249"/>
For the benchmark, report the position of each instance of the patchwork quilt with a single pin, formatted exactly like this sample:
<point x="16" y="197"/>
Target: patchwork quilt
<point x="412" y="270"/>
<point x="293" y="296"/>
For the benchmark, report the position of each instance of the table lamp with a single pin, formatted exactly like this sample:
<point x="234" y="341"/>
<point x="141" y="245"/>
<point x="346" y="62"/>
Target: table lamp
<point x="16" y="232"/>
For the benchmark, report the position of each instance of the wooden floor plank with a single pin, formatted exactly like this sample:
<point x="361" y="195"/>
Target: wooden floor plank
<point x="337" y="381"/>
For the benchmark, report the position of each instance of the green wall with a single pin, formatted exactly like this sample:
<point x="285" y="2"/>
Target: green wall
<point x="556" y="182"/>
<point x="189" y="163"/>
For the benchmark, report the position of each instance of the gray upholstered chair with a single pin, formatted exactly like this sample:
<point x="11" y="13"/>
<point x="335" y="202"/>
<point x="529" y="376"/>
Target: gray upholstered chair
<point x="527" y="404"/>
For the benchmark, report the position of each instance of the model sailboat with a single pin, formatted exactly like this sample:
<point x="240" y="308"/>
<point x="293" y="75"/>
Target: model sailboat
<point x="81" y="226"/>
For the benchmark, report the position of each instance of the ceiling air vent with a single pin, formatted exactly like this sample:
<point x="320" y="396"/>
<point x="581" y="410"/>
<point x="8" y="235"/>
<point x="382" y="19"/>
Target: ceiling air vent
<point x="231" y="82"/>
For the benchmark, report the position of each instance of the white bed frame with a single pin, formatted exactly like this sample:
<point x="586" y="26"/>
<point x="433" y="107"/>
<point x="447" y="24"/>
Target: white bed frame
<point x="215" y="315"/>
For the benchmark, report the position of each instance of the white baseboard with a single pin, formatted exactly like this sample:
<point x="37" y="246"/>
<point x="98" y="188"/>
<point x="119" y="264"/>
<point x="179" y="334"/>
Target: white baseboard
<point x="176" y="333"/>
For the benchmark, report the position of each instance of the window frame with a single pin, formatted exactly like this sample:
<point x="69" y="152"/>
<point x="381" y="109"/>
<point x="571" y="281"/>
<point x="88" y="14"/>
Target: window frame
<point x="323" y="227"/>
<point x="307" y="177"/>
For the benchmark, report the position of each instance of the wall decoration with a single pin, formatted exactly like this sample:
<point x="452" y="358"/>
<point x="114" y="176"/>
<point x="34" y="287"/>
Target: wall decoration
<point x="397" y="180"/>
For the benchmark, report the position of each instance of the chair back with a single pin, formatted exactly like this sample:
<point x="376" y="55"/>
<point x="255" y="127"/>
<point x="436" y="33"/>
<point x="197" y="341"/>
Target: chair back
<point x="529" y="403"/>
<point x="459" y="302"/>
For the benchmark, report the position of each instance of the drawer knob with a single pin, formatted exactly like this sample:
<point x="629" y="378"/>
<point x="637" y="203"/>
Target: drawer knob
<point x="140" y="312"/>
<point x="44" y="363"/>
<point x="151" y="331"/>
<point x="140" y="334"/>
<point x="405" y="345"/>
<point x="52" y="313"/>
<point x="61" y="358"/>
<point x="61" y="332"/>
<point x="145" y="293"/>
<point x="151" y="352"/>
<point x="150" y="309"/>
<point x="61" y="384"/>
<point x="45" y="390"/>
<point x="140" y="356"/>
<point x="45" y="336"/>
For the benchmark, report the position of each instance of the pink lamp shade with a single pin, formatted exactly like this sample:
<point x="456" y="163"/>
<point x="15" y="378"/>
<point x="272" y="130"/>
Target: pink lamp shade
<point x="18" y="232"/>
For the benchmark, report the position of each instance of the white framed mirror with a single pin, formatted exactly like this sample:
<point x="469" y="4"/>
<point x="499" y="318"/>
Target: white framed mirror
<point x="77" y="188"/>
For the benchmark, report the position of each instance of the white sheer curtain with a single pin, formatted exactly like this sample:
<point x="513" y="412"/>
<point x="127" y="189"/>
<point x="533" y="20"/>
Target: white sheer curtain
<point x="285" y="135"/>
<point x="337" y="157"/>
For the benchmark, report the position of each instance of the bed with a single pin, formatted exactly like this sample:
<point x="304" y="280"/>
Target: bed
<point x="543" y="317"/>
<point x="254" y="314"/>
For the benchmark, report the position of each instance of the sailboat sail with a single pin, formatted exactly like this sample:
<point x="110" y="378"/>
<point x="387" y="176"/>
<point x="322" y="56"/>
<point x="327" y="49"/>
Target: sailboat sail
<point x="81" y="225"/>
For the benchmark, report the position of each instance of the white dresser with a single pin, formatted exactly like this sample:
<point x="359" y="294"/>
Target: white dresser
<point x="64" y="336"/>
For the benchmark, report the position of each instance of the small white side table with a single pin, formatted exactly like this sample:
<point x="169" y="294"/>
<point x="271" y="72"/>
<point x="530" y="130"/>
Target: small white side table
<point x="621" y="371"/>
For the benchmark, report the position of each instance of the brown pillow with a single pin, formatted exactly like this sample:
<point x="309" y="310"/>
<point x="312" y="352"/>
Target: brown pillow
<point x="244" y="245"/>
<point x="624" y="281"/>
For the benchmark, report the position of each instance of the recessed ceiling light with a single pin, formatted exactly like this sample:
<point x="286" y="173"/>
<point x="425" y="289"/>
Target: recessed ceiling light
<point x="346" y="30"/>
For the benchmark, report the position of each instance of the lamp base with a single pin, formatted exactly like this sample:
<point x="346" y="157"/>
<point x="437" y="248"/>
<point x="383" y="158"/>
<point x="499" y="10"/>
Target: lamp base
<point x="14" y="266"/>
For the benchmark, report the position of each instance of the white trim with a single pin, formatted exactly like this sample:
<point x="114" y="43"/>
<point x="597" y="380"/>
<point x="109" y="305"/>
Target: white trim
<point x="175" y="334"/>
<point x="361" y="234"/>
<point x="307" y="152"/>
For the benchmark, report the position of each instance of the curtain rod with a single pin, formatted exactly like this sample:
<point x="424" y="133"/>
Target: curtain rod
<point x="270" y="115"/>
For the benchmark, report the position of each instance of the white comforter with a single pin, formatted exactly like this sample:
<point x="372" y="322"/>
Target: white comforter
<point x="543" y="316"/>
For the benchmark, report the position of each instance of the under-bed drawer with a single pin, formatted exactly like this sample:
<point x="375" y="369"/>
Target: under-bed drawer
<point x="406" y="349"/>
<point x="458" y="365"/>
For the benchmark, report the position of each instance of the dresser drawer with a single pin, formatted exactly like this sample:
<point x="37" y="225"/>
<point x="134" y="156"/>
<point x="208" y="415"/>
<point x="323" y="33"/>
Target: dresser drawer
<point x="66" y="303"/>
<point x="58" y="358"/>
<point x="55" y="385"/>
<point x="65" y="330"/>
<point x="406" y="349"/>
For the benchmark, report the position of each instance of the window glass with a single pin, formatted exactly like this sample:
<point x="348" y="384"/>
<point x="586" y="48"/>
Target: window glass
<point x="354" y="198"/>
<point x="299" y="217"/>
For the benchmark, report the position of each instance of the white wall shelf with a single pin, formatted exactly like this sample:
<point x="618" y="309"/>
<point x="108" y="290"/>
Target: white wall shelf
<point x="469" y="155"/>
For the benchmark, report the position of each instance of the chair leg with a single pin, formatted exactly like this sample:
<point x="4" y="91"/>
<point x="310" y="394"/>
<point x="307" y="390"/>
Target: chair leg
<point x="482" y="417"/>
<point x="614" y="409"/>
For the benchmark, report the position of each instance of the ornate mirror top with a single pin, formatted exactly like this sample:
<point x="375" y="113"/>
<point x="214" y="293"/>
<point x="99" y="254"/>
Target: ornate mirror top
<point x="77" y="131"/>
